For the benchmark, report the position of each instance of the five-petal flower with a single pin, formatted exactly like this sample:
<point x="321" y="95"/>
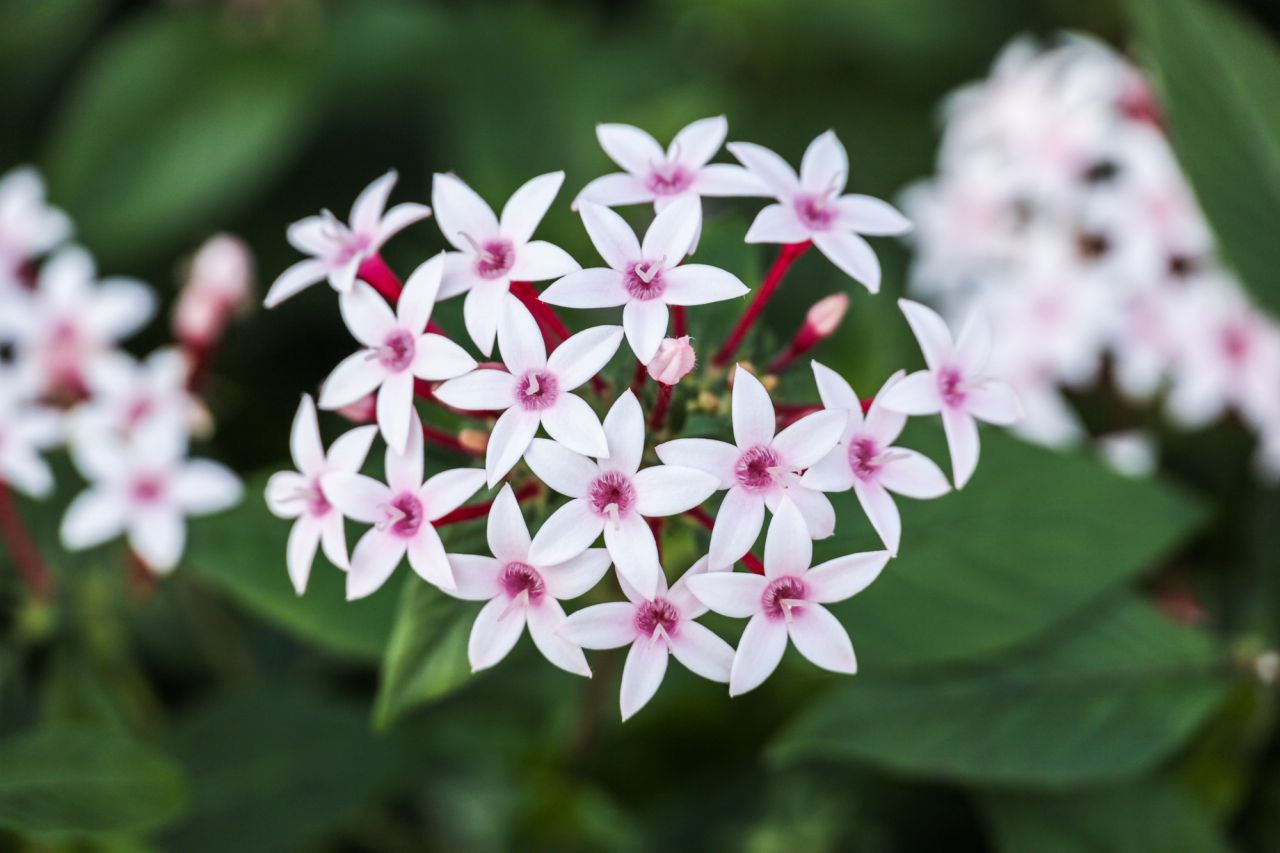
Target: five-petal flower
<point x="300" y="495"/>
<point x="787" y="601"/>
<point x="761" y="470"/>
<point x="811" y="206"/>
<point x="521" y="590"/>
<point x="644" y="278"/>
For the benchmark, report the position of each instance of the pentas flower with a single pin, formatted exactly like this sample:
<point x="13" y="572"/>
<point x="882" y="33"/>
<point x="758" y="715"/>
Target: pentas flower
<point x="534" y="389"/>
<point x="655" y="626"/>
<point x="787" y="601"/>
<point x="401" y="512"/>
<point x="300" y="494"/>
<point x="520" y="590"/>
<point x="955" y="384"/>
<point x="645" y="278"/>
<point x="144" y="487"/>
<point x="338" y="249"/>
<point x="811" y="206"/>
<point x="397" y="350"/>
<point x="29" y="227"/>
<point x="761" y="469"/>
<point x="494" y="252"/>
<point x="613" y="496"/>
<point x="866" y="461"/>
<point x="123" y="392"/>
<point x="682" y="171"/>
<point x="71" y="318"/>
<point x="673" y="361"/>
<point x="26" y="429"/>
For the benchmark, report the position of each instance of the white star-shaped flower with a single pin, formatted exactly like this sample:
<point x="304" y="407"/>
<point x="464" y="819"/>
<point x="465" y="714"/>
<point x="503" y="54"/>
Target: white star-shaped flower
<point x="29" y="226"/>
<point x="401" y="511"/>
<point x="611" y="495"/>
<point x="338" y="249"/>
<point x="787" y="602"/>
<point x="761" y="469"/>
<point x="520" y="590"/>
<point x="866" y="461"/>
<point x="644" y="278"/>
<point x="955" y="384"/>
<point x="26" y="429"/>
<point x="656" y="627"/>
<point x="534" y="389"/>
<point x="811" y="207"/>
<point x="397" y="349"/>
<point x="300" y="495"/>
<point x="494" y="252"/>
<point x="124" y="392"/>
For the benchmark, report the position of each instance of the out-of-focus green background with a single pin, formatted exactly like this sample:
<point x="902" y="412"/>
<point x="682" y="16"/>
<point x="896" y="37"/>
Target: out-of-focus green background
<point x="1023" y="687"/>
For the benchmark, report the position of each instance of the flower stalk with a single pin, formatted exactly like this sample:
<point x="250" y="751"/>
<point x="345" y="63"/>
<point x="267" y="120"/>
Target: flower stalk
<point x="788" y="256"/>
<point x="31" y="567"/>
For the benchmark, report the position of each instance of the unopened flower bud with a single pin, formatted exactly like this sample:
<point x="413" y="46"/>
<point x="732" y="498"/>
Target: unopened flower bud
<point x="362" y="411"/>
<point x="673" y="361"/>
<point x="1267" y="667"/>
<point x="708" y="402"/>
<point x="218" y="285"/>
<point x="474" y="440"/>
<point x="825" y="315"/>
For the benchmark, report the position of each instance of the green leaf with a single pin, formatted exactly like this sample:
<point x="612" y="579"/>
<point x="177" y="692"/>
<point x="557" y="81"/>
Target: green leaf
<point x="1218" y="73"/>
<point x="242" y="553"/>
<point x="1104" y="697"/>
<point x="426" y="657"/>
<point x="1034" y="537"/>
<point x="1148" y="815"/>
<point x="81" y="782"/>
<point x="172" y="123"/>
<point x="278" y="768"/>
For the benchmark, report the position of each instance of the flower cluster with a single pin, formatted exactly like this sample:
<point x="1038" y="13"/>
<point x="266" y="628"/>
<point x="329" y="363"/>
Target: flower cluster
<point x="65" y="379"/>
<point x="617" y="487"/>
<point x="1060" y="212"/>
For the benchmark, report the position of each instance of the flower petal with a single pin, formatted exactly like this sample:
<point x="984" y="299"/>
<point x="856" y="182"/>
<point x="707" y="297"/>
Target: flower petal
<point x="995" y="402"/>
<point x="753" y="415"/>
<point x="506" y="530"/>
<point x="367" y="315"/>
<point x="305" y="447"/>
<point x="355" y="377"/>
<point x="366" y="211"/>
<point x="593" y="288"/>
<point x="395" y="410"/>
<point x="483" y="389"/>
<point x="568" y="473"/>
<point x="668" y="490"/>
<point x="816" y="508"/>
<point x="286" y="494"/>
<point x="645" y="323"/>
<point x="527" y="205"/>
<point x="436" y="357"/>
<point x="356" y="496"/>
<point x="93" y="517"/>
<point x="825" y="165"/>
<point x="700" y="284"/>
<point x="375" y="557"/>
<point x="624" y="431"/>
<point x="735" y="594"/>
<point x="642" y="674"/>
<point x="737" y="526"/>
<point x="573" y="578"/>
<point x="566" y="533"/>
<point x="202" y="486"/>
<point x="634" y="552"/>
<point x="695" y="145"/>
<point x="834" y="391"/>
<point x="448" y="490"/>
<point x="519" y="339"/>
<point x="913" y="474"/>
<point x="158" y="535"/>
<point x="573" y="423"/>
<point x="811" y="437"/>
<point x="931" y="333"/>
<point x="611" y="235"/>
<point x="428" y="559"/>
<point x="775" y="172"/>
<point x="831" y="473"/>
<point x="584" y="355"/>
<point x="868" y="215"/>
<point x="852" y="254"/>
<point x="630" y="147"/>
<point x="777" y="223"/>
<point x="540" y="260"/>
<point x="881" y="511"/>
<point x="476" y="577"/>
<point x="601" y="626"/>
<point x="460" y="211"/>
<point x="725" y="180"/>
<point x="759" y="653"/>
<point x="397" y="219"/>
<point x="916" y="394"/>
<point x="844" y="577"/>
<point x="497" y="627"/>
<point x="673" y="231"/>
<point x="546" y="618"/>
<point x="300" y="551"/>
<point x="294" y="280"/>
<point x="973" y="347"/>
<point x="615" y="190"/>
<point x="421" y="290"/>
<point x="714" y="457"/>
<point x="962" y="439"/>
<point x="788" y="549"/>
<point x="821" y="638"/>
<point x="702" y="651"/>
<point x="484" y="310"/>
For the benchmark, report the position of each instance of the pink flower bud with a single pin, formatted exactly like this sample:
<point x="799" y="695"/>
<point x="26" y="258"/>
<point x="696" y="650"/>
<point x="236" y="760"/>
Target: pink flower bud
<point x="362" y="411"/>
<point x="673" y="361"/>
<point x="218" y="284"/>
<point x="825" y="315"/>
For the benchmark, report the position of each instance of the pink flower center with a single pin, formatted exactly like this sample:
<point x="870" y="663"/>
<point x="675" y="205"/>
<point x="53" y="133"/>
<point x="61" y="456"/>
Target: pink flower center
<point x="816" y="212"/>
<point x="669" y="179"/>
<point x="317" y="504"/>
<point x="404" y="515"/>
<point x="643" y="280"/>
<point x="397" y="351"/>
<point x="783" y="597"/>
<point x="864" y="458"/>
<point x="1235" y="343"/>
<point x="495" y="258"/>
<point x="137" y="411"/>
<point x="355" y="244"/>
<point x="516" y="578"/>
<point x="612" y="495"/>
<point x="147" y="489"/>
<point x="757" y="468"/>
<point x="537" y="390"/>
<point x="656" y="614"/>
<point x="951" y="387"/>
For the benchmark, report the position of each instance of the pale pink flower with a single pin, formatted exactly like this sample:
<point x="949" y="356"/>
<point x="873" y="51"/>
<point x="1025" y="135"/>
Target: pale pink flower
<point x="673" y="361"/>
<point x="145" y="487"/>
<point x="787" y="602"/>
<point x="300" y="495"/>
<point x="645" y="278"/>
<point x="611" y="495"/>
<point x="124" y="393"/>
<point x="492" y="251"/>
<point x="760" y="469"/>
<point x="397" y="350"/>
<point x="401" y="511"/>
<point x="519" y="590"/>
<point x="217" y="286"/>
<point x="26" y="429"/>
<point x="811" y="207"/>
<point x="338" y="249"/>
<point x="655" y="626"/>
<point x="534" y="389"/>
<point x="652" y="175"/>
<point x="866" y="461"/>
<point x="29" y="226"/>
<point x="955" y="384"/>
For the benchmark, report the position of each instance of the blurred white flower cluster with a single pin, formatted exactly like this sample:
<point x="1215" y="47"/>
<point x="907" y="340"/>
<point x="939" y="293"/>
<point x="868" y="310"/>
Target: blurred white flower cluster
<point x="1059" y="211"/>
<point x="65" y="379"/>
<point x="781" y="461"/>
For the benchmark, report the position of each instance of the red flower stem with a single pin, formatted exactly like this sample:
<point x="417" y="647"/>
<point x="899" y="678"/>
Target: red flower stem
<point x="26" y="556"/>
<point x="468" y="513"/>
<point x="655" y="526"/>
<point x="553" y="328"/>
<point x="383" y="279"/>
<point x="804" y="341"/>
<point x="638" y="378"/>
<point x="660" y="408"/>
<point x="790" y="252"/>
<point x="441" y="438"/>
<point x="751" y="561"/>
<point x="679" y="321"/>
